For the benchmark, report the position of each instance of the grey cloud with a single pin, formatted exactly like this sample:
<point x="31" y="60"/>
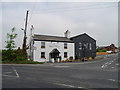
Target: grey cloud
<point x="55" y="18"/>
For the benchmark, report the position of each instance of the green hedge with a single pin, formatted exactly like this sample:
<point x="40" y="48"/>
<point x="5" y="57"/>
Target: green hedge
<point x="101" y="50"/>
<point x="14" y="55"/>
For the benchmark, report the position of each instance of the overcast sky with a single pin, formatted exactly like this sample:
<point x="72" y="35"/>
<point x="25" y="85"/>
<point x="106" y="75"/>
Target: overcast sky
<point x="97" y="19"/>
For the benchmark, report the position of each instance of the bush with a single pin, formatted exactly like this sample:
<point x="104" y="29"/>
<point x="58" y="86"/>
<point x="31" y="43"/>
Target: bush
<point x="71" y="58"/>
<point x="7" y="55"/>
<point x="14" y="55"/>
<point x="101" y="50"/>
<point x="21" y="55"/>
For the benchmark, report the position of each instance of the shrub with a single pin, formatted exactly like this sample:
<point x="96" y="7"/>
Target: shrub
<point x="21" y="55"/>
<point x="8" y="55"/>
<point x="101" y="50"/>
<point x="14" y="55"/>
<point x="71" y="58"/>
<point x="66" y="60"/>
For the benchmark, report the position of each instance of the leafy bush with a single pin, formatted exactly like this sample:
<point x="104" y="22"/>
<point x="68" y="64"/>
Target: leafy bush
<point x="14" y="55"/>
<point x="8" y="55"/>
<point x="21" y="55"/>
<point x="101" y="50"/>
<point x="71" y="58"/>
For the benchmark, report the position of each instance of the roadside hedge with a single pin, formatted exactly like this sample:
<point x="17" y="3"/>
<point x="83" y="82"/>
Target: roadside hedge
<point x="18" y="56"/>
<point x="14" y="55"/>
<point x="101" y="50"/>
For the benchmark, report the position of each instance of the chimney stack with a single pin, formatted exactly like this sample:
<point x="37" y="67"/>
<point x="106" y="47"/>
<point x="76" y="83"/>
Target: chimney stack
<point x="67" y="34"/>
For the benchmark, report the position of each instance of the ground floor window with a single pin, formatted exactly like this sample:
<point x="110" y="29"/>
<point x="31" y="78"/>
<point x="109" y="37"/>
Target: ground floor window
<point x="42" y="54"/>
<point x="65" y="54"/>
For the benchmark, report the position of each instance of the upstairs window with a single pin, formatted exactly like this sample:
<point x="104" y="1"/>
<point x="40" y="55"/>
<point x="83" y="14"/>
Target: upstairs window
<point x="86" y="45"/>
<point x="42" y="54"/>
<point x="90" y="46"/>
<point x="65" y="46"/>
<point x="42" y="44"/>
<point x="80" y="45"/>
<point x="65" y="54"/>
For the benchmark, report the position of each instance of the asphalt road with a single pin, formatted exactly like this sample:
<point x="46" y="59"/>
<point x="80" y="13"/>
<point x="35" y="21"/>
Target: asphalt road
<point x="93" y="74"/>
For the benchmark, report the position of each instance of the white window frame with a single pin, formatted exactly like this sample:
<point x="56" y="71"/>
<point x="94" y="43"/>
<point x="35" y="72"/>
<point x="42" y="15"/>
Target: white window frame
<point x="65" y="45"/>
<point x="80" y="45"/>
<point x="90" y="46"/>
<point x="41" y="54"/>
<point x="42" y="44"/>
<point x="65" y="56"/>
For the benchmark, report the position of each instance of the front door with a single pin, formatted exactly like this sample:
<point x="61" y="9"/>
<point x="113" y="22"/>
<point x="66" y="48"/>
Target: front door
<point x="54" y="55"/>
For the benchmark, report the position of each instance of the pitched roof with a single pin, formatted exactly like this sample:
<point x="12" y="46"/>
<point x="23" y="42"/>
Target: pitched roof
<point x="81" y="35"/>
<point x="55" y="51"/>
<point x="51" y="38"/>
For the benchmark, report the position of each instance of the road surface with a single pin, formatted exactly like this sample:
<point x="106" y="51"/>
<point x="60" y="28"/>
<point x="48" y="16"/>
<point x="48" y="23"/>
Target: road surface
<point x="91" y="74"/>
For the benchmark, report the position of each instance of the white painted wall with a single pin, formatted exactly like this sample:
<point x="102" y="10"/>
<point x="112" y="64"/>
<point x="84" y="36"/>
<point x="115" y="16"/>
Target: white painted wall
<point x="49" y="46"/>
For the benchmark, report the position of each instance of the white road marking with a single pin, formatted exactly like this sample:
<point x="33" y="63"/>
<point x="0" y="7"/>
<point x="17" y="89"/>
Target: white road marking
<point x="108" y="63"/>
<point x="117" y="64"/>
<point x="67" y="85"/>
<point x="80" y="87"/>
<point x="61" y="66"/>
<point x="17" y="75"/>
<point x="113" y="80"/>
<point x="102" y="66"/>
<point x="7" y="72"/>
<point x="8" y="76"/>
<point x="112" y="67"/>
<point x="16" y="72"/>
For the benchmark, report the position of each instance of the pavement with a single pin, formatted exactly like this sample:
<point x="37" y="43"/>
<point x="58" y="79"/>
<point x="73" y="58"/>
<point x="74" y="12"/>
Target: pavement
<point x="91" y="74"/>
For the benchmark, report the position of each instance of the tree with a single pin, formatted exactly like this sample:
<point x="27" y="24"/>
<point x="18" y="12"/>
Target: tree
<point x="10" y="39"/>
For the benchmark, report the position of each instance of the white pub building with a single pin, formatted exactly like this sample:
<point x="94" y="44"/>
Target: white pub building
<point x="45" y="48"/>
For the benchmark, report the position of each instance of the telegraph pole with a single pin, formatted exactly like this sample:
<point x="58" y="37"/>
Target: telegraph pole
<point x="31" y="43"/>
<point x="24" y="39"/>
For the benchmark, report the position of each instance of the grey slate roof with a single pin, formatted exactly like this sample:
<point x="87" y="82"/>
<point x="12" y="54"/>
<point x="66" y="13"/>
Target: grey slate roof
<point x="51" y="38"/>
<point x="81" y="36"/>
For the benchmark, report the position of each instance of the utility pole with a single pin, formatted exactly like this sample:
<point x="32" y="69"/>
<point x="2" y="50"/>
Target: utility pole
<point x="24" y="39"/>
<point x="31" y="42"/>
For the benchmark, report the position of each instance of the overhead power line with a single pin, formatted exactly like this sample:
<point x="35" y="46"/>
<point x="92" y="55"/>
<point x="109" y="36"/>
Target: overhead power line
<point x="75" y="6"/>
<point x="71" y="9"/>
